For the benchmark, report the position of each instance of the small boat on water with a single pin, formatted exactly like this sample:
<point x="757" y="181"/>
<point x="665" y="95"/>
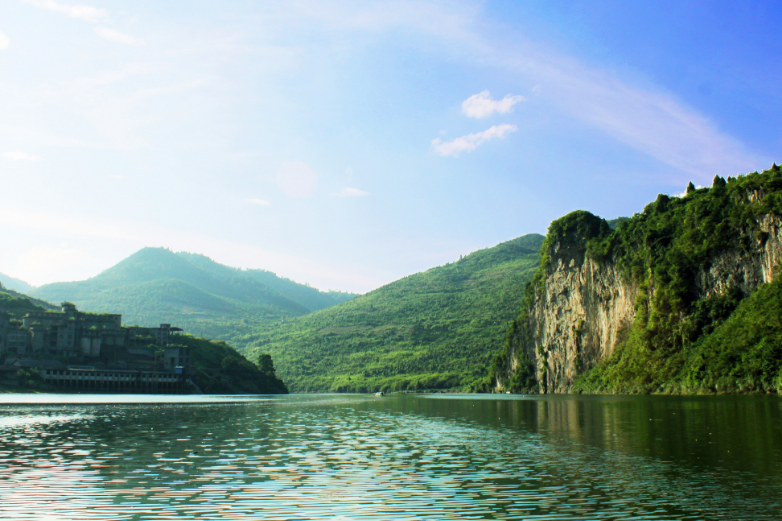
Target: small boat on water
<point x="379" y="393"/>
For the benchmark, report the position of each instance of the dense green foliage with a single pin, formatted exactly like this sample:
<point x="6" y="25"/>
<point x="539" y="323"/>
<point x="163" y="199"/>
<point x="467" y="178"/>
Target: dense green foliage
<point x="17" y="304"/>
<point x="193" y="292"/>
<point x="662" y="250"/>
<point x="220" y="369"/>
<point x="431" y="330"/>
<point x="745" y="352"/>
<point x="740" y="351"/>
<point x="614" y="223"/>
<point x="679" y="341"/>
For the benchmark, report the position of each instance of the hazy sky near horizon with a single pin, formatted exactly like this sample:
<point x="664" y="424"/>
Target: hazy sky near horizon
<point x="349" y="143"/>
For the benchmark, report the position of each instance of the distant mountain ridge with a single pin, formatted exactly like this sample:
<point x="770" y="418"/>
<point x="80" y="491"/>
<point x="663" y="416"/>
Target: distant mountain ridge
<point x="15" y="284"/>
<point x="191" y="291"/>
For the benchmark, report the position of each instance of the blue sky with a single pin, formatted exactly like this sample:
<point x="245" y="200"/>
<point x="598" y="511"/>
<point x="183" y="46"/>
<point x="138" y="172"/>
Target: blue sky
<point x="348" y="144"/>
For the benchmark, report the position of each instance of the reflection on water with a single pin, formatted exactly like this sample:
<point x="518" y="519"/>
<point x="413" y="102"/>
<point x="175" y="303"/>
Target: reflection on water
<point x="399" y="457"/>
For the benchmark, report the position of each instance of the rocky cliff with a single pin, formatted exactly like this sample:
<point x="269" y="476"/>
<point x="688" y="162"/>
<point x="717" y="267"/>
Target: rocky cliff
<point x="656" y="278"/>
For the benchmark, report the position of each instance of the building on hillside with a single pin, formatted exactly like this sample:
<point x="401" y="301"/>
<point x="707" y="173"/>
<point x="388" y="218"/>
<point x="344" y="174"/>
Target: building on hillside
<point x="75" y="334"/>
<point x="13" y="339"/>
<point x="92" y="340"/>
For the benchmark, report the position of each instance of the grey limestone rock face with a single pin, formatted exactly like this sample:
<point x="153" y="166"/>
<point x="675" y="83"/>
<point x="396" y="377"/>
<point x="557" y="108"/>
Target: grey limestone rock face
<point x="580" y="316"/>
<point x="746" y="269"/>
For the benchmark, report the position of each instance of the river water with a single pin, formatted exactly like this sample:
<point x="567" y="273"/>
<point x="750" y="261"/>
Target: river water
<point x="399" y="457"/>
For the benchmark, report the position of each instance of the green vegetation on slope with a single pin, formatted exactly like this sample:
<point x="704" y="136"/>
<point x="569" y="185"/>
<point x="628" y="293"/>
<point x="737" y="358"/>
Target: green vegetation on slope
<point x="17" y="304"/>
<point x="740" y="351"/>
<point x="431" y="330"/>
<point x="155" y="285"/>
<point x="664" y="248"/>
<point x="743" y="353"/>
<point x="220" y="369"/>
<point x="678" y="341"/>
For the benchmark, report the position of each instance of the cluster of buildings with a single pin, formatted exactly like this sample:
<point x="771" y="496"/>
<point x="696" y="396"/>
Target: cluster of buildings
<point x="92" y="351"/>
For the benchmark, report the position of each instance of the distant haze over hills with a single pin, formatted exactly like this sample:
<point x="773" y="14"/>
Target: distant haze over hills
<point x="191" y="291"/>
<point x="15" y="284"/>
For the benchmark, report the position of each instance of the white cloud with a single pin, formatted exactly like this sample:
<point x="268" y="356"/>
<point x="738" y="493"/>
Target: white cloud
<point x="470" y="142"/>
<point x="482" y="106"/>
<point x="82" y="12"/>
<point x="684" y="192"/>
<point x="3" y="41"/>
<point x="19" y="156"/>
<point x="351" y="192"/>
<point x="115" y="36"/>
<point x="296" y="179"/>
<point x="259" y="202"/>
<point x="645" y="117"/>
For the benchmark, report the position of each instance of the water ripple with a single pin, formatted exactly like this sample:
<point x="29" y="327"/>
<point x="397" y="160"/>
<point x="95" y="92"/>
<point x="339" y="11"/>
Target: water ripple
<point x="350" y="458"/>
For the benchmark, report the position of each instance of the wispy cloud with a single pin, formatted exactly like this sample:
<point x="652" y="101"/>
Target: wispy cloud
<point x="350" y="192"/>
<point x="470" y="142"/>
<point x="259" y="202"/>
<point x="87" y="13"/>
<point x="19" y="156"/>
<point x="115" y="36"/>
<point x="651" y="122"/>
<point x="482" y="106"/>
<point x="4" y="41"/>
<point x="647" y="118"/>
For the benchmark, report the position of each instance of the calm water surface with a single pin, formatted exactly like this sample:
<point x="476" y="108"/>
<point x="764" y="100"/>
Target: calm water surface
<point x="414" y="457"/>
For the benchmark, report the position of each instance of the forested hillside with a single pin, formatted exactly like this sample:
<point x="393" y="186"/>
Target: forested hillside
<point x="432" y="330"/>
<point x="18" y="304"/>
<point x="682" y="297"/>
<point x="155" y="285"/>
<point x="220" y="369"/>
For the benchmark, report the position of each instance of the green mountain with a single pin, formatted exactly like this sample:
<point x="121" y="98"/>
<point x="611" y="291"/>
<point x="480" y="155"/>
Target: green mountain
<point x="156" y="285"/>
<point x="683" y="297"/>
<point x="432" y="330"/>
<point x="15" y="284"/>
<point x="18" y="304"/>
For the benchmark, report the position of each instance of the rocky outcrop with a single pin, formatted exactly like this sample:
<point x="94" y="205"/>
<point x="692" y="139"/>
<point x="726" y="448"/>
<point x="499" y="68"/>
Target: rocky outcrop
<point x="745" y="268"/>
<point x="582" y="308"/>
<point x="575" y="321"/>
